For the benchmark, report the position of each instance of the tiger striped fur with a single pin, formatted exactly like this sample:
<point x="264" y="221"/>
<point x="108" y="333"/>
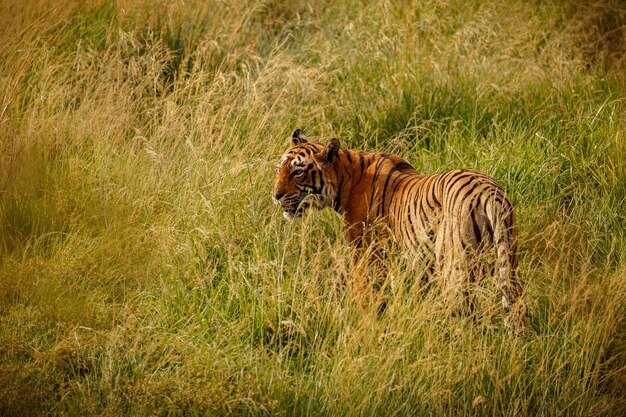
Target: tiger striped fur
<point x="456" y="215"/>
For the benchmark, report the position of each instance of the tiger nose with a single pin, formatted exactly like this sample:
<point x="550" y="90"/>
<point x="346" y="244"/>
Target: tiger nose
<point x="278" y="196"/>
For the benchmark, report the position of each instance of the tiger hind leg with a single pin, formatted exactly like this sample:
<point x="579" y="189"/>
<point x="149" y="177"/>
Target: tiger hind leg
<point x="451" y="263"/>
<point x="514" y="305"/>
<point x="516" y="316"/>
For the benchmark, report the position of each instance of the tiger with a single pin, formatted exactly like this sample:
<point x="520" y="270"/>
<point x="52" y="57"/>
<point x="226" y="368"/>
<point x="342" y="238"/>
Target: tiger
<point x="455" y="215"/>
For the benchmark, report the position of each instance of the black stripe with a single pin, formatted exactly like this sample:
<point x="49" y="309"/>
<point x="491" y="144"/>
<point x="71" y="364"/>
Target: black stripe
<point x="377" y="170"/>
<point x="313" y="176"/>
<point x="403" y="165"/>
<point x="362" y="163"/>
<point x="438" y="185"/>
<point x="311" y="147"/>
<point x="488" y="222"/>
<point x="446" y="176"/>
<point x="415" y="200"/>
<point x="426" y="197"/>
<point x="408" y="224"/>
<point x="490" y="230"/>
<point x="408" y="215"/>
<point x="389" y="175"/>
<point x="412" y="231"/>
<point x="463" y="187"/>
<point x="347" y="154"/>
<point x="433" y="196"/>
<point x="460" y="177"/>
<point x="396" y="184"/>
<point x="477" y="234"/>
<point x="423" y="215"/>
<point x="337" y="201"/>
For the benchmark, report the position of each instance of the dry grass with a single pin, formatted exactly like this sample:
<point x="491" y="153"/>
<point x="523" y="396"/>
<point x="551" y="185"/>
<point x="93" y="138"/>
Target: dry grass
<point x="144" y="270"/>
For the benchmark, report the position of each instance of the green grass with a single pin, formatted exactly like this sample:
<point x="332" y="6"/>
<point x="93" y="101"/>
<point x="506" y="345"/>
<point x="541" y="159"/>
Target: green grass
<point x="145" y="271"/>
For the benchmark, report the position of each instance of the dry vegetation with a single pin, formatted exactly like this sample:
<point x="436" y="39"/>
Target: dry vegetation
<point x="145" y="271"/>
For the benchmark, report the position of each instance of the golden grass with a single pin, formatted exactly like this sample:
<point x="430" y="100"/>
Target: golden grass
<point x="145" y="271"/>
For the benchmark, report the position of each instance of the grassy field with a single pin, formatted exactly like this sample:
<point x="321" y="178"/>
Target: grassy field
<point x="145" y="271"/>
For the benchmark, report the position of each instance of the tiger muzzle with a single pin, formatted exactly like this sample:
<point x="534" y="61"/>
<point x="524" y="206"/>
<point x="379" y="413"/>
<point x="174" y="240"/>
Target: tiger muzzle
<point x="292" y="205"/>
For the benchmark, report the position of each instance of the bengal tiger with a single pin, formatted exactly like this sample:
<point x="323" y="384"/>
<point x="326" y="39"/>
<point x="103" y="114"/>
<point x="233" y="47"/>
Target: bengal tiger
<point x="456" y="215"/>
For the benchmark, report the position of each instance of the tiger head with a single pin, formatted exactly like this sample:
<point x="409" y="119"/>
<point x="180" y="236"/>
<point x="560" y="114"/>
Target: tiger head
<point x="306" y="176"/>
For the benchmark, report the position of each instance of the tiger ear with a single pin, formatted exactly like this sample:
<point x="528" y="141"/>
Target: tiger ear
<point x="329" y="154"/>
<point x="297" y="137"/>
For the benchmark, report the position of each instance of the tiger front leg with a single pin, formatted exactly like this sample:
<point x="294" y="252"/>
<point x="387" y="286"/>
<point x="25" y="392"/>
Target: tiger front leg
<point x="369" y="268"/>
<point x="361" y="288"/>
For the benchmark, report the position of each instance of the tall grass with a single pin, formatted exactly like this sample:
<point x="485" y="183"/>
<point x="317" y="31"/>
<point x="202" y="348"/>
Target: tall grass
<point x="144" y="270"/>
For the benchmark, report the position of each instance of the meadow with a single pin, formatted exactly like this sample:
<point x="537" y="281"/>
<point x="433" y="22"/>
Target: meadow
<point x="144" y="269"/>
